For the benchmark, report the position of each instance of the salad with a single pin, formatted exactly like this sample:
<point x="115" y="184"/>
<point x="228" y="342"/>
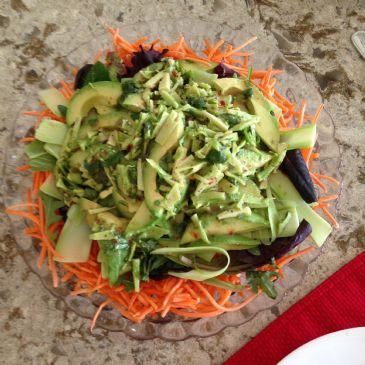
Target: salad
<point x="168" y="182"/>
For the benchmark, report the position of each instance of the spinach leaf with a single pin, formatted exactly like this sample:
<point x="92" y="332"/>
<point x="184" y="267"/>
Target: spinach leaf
<point x="216" y="156"/>
<point x="62" y="109"/>
<point x="196" y="102"/>
<point x="113" y="159"/>
<point x="115" y="254"/>
<point x="98" y="72"/>
<point x="231" y="119"/>
<point x="50" y="206"/>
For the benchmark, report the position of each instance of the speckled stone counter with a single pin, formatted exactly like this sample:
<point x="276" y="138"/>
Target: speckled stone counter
<point x="35" y="328"/>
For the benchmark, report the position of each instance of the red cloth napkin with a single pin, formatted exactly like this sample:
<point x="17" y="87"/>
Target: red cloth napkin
<point x="336" y="304"/>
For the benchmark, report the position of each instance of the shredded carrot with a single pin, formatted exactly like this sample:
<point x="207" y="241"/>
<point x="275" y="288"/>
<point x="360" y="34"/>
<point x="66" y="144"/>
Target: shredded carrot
<point x="327" y="198"/>
<point x="26" y="139"/>
<point x="318" y="182"/>
<point x="97" y="313"/>
<point x="243" y="45"/>
<point x="329" y="215"/>
<point x="23" y="168"/>
<point x="318" y="112"/>
<point x="171" y="295"/>
<point x="286" y="259"/>
<point x="329" y="178"/>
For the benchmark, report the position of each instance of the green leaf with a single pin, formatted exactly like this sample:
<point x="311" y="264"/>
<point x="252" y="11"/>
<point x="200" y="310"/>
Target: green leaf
<point x="98" y="72"/>
<point x="147" y="246"/>
<point x="115" y="255"/>
<point x="62" y="109"/>
<point x="231" y="119"/>
<point x="196" y="102"/>
<point x="128" y="285"/>
<point x="262" y="280"/>
<point x="50" y="206"/>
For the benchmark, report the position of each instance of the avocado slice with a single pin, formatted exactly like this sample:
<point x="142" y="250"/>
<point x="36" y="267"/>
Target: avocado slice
<point x="134" y="103"/>
<point x="112" y="120"/>
<point x="152" y="197"/>
<point x="109" y="219"/>
<point x="98" y="93"/>
<point x="268" y="126"/>
<point x="230" y="85"/>
<point x="188" y="65"/>
<point x="215" y="227"/>
<point x="142" y="218"/>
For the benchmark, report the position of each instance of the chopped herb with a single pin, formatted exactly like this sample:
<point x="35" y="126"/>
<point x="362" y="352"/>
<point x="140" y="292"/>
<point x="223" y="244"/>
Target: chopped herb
<point x="215" y="156"/>
<point x="248" y="93"/>
<point x="198" y="103"/>
<point x="231" y="119"/>
<point x="62" y="109"/>
<point x="262" y="280"/>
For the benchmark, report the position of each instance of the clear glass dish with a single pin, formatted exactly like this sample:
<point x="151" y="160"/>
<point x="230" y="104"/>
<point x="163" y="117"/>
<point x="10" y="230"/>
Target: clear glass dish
<point x="170" y="328"/>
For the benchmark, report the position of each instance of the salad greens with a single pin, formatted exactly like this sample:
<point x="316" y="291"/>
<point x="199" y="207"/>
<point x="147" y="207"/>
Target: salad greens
<point x="172" y="169"/>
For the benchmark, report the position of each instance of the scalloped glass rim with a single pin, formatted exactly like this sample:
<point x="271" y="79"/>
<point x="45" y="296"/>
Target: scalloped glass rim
<point x="171" y="328"/>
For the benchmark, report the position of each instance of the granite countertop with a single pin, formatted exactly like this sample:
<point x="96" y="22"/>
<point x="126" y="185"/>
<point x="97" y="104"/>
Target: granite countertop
<point x="35" y="328"/>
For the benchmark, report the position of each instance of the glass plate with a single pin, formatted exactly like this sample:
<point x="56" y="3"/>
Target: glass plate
<point x="170" y="328"/>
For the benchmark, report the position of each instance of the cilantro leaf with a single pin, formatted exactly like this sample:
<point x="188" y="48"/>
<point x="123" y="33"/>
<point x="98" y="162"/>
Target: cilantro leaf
<point x="262" y="280"/>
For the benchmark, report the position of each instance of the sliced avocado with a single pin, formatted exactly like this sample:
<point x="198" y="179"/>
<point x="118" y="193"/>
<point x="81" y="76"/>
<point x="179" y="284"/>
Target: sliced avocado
<point x="194" y="66"/>
<point x="215" y="227"/>
<point x="108" y="219"/>
<point x="86" y="130"/>
<point x="77" y="159"/>
<point x="98" y="93"/>
<point x="230" y="85"/>
<point x="74" y="244"/>
<point x="268" y="126"/>
<point x="134" y="103"/>
<point x="142" y="218"/>
<point x="104" y="109"/>
<point x="203" y="76"/>
<point x="121" y="204"/>
<point x="152" y="197"/>
<point x="112" y="120"/>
